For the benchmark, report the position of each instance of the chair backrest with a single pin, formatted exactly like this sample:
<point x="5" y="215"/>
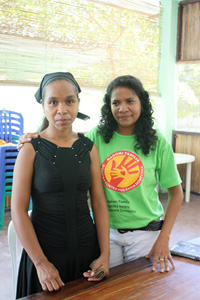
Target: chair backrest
<point x="8" y="155"/>
<point x="11" y="126"/>
<point x="12" y="242"/>
<point x="15" y="251"/>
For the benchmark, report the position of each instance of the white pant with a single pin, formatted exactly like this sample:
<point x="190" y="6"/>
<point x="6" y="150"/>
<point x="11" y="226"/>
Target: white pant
<point x="129" y="246"/>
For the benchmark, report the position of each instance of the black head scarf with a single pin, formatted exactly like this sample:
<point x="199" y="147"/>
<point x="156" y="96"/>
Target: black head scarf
<point x="48" y="78"/>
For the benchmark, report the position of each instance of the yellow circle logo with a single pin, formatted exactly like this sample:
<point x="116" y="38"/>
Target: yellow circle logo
<point x="122" y="171"/>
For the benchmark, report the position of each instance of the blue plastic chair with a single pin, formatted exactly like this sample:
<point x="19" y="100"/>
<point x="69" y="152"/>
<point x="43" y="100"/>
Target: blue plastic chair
<point x="11" y="126"/>
<point x="8" y="155"/>
<point x="6" y="192"/>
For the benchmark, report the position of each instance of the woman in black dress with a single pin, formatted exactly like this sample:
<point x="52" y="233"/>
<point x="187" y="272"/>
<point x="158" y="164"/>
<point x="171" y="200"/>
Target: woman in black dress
<point x="57" y="169"/>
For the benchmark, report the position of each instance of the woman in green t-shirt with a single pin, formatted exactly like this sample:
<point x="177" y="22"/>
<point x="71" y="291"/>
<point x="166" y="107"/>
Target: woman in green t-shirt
<point x="134" y="158"/>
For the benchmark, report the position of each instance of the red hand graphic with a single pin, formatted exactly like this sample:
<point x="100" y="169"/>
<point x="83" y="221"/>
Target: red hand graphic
<point x="123" y="170"/>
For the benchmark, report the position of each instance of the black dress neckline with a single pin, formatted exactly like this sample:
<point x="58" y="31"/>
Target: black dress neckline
<point x="79" y="135"/>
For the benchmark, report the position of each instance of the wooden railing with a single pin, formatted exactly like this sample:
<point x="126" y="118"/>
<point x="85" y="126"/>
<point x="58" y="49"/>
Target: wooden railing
<point x="189" y="143"/>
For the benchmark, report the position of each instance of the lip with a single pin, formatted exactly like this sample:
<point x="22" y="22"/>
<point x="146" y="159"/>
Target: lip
<point x="124" y="117"/>
<point x="63" y="121"/>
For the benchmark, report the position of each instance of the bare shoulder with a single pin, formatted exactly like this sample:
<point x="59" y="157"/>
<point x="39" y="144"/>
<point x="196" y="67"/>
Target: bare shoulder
<point x="94" y="148"/>
<point x="27" y="148"/>
<point x="94" y="152"/>
<point x="27" y="153"/>
<point x="94" y="155"/>
<point x="24" y="163"/>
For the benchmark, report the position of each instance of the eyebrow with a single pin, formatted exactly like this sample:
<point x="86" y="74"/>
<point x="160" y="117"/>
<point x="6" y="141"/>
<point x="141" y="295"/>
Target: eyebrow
<point x="55" y="98"/>
<point x="72" y="96"/>
<point x="125" y="99"/>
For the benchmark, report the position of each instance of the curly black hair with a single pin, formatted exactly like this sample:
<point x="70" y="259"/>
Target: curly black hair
<point x="145" y="133"/>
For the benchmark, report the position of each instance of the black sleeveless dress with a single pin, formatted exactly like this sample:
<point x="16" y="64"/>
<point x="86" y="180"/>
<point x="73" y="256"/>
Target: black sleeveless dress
<point x="60" y="214"/>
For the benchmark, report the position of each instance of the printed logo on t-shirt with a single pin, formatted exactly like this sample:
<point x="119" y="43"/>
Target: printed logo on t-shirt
<point x="122" y="171"/>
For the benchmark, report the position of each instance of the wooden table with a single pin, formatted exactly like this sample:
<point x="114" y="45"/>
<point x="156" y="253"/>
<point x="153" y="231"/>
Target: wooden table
<point x="182" y="158"/>
<point x="135" y="280"/>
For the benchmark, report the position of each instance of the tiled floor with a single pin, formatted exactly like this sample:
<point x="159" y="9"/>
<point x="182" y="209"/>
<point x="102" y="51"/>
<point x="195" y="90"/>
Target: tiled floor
<point x="186" y="227"/>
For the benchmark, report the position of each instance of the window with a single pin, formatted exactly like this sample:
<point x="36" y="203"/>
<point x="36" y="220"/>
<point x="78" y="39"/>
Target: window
<point x="94" y="40"/>
<point x="188" y="67"/>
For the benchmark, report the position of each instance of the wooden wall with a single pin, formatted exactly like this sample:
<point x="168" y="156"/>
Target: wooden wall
<point x="189" y="143"/>
<point x="188" y="36"/>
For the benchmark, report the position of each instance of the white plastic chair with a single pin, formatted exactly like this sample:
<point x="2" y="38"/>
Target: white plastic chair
<point x="15" y="251"/>
<point x="12" y="242"/>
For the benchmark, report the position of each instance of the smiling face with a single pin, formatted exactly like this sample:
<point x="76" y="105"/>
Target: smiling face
<point x="60" y="104"/>
<point x="126" y="109"/>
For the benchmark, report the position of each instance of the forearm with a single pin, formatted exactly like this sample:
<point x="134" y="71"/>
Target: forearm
<point x="101" y="218"/>
<point x="175" y="198"/>
<point x="28" y="238"/>
<point x="161" y="246"/>
<point x="98" y="202"/>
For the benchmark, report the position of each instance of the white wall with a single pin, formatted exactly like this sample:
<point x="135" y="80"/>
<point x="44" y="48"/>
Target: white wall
<point x="21" y="99"/>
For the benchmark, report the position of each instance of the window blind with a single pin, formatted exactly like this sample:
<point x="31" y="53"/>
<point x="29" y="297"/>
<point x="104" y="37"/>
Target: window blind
<point x="95" y="40"/>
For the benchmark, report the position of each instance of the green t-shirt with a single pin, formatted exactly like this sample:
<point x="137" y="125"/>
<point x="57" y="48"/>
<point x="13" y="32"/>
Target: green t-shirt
<point x="130" y="178"/>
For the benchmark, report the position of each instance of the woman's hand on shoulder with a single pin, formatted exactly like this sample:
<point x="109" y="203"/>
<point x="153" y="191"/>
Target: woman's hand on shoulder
<point x="49" y="276"/>
<point x="25" y="138"/>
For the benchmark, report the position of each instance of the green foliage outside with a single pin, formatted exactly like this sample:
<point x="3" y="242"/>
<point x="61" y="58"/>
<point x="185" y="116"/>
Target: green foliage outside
<point x="188" y="96"/>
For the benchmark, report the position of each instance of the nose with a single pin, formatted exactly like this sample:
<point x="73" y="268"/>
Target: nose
<point x="123" y="107"/>
<point x="62" y="108"/>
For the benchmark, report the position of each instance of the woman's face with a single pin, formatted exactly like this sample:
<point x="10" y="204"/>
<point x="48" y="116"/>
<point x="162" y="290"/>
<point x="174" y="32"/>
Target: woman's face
<point x="60" y="104"/>
<point x="126" y="109"/>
